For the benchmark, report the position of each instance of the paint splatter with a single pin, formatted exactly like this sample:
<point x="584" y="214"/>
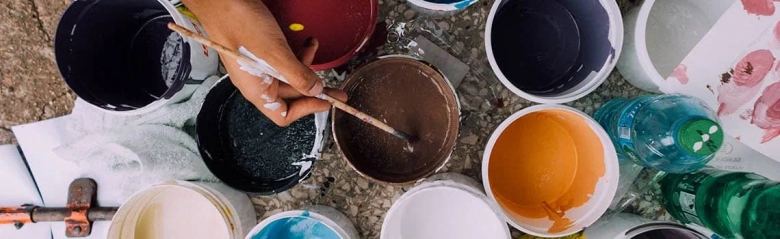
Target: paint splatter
<point x="766" y="112"/>
<point x="747" y="115"/>
<point x="681" y="73"/>
<point x="759" y="7"/>
<point x="272" y="106"/>
<point x="744" y="81"/>
<point x="266" y="98"/>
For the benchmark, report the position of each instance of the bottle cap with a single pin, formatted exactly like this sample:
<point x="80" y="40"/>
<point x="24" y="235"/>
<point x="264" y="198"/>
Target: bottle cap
<point x="700" y="137"/>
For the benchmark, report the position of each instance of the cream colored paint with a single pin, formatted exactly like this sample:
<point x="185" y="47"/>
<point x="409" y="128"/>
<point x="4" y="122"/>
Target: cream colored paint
<point x="180" y="213"/>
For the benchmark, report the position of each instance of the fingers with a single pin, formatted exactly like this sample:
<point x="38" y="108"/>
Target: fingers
<point x="297" y="73"/>
<point x="309" y="50"/>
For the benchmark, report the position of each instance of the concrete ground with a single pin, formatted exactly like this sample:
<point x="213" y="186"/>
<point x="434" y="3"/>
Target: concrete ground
<point x="31" y="88"/>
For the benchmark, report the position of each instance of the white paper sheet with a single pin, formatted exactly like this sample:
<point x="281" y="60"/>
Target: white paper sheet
<point x="16" y="188"/>
<point x="53" y="174"/>
<point x="731" y="69"/>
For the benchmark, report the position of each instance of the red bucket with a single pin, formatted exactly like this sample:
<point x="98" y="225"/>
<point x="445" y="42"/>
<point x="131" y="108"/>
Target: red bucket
<point x="342" y="27"/>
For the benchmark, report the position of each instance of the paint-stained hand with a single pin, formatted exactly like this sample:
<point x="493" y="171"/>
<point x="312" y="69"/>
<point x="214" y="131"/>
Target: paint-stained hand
<point x="249" y="23"/>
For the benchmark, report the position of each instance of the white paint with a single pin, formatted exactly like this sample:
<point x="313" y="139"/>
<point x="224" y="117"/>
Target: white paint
<point x="180" y="213"/>
<point x="259" y="67"/>
<point x="272" y="105"/>
<point x="284" y="113"/>
<point x="450" y="207"/>
<point x="266" y="98"/>
<point x="305" y="166"/>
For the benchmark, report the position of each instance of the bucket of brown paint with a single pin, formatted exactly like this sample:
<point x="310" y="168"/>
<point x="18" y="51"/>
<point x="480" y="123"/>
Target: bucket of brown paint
<point x="551" y="169"/>
<point x="411" y="96"/>
<point x="342" y="27"/>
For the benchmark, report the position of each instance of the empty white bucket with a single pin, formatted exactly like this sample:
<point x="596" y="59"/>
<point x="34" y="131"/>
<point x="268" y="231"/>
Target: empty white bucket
<point x="659" y="35"/>
<point x="178" y="209"/>
<point x="447" y="206"/>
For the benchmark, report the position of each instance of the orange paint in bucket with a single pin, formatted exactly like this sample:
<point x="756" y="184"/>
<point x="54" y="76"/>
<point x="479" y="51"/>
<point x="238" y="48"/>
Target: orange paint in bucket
<point x="550" y="157"/>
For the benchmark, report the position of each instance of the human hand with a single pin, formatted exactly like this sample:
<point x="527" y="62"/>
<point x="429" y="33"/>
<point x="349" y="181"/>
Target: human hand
<point x="248" y="23"/>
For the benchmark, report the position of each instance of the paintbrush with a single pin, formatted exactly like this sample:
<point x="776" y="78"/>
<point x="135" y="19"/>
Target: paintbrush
<point x="267" y="70"/>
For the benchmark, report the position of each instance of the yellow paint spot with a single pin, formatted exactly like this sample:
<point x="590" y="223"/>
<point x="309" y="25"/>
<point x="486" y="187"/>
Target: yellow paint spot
<point x="296" y="27"/>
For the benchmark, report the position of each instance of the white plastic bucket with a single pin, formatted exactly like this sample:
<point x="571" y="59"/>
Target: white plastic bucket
<point x="335" y="223"/>
<point x="447" y="206"/>
<point x="120" y="57"/>
<point x="660" y="34"/>
<point x="596" y="48"/>
<point x="580" y="216"/>
<point x="626" y="226"/>
<point x="200" y="210"/>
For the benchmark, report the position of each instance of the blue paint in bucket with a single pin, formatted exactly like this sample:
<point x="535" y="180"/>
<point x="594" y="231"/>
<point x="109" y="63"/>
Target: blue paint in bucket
<point x="300" y="227"/>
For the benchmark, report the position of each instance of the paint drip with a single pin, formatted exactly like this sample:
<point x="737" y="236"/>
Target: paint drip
<point x="300" y="227"/>
<point x="261" y="149"/>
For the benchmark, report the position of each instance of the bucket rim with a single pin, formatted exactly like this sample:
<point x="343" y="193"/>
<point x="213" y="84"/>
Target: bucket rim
<point x="328" y="222"/>
<point x="232" y="222"/>
<point x="444" y="183"/>
<point x="610" y="177"/>
<point x="578" y="91"/>
<point x="449" y="155"/>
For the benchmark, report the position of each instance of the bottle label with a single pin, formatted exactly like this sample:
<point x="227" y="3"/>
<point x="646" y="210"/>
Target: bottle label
<point x="684" y="197"/>
<point x="626" y="123"/>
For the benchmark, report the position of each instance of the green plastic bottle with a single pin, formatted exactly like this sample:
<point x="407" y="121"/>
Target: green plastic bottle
<point x="731" y="204"/>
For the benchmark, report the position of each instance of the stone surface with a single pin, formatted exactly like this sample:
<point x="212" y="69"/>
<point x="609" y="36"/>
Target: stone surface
<point x="31" y="90"/>
<point x="30" y="85"/>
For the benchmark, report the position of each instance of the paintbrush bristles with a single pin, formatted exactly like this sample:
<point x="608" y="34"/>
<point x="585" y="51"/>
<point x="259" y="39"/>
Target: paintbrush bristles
<point x="336" y="103"/>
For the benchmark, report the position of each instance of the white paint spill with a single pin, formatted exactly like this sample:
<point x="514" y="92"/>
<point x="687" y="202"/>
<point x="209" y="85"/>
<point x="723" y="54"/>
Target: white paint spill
<point x="266" y="98"/>
<point x="408" y="148"/>
<point x="259" y="67"/>
<point x="272" y="105"/>
<point x="305" y="166"/>
<point x="284" y="113"/>
<point x="171" y="58"/>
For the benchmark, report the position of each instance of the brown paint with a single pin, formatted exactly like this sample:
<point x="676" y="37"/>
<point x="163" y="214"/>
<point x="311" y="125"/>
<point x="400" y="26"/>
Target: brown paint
<point x="410" y="96"/>
<point x="549" y="144"/>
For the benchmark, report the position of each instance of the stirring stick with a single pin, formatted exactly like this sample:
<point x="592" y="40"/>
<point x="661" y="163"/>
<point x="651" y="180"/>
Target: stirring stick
<point x="336" y="103"/>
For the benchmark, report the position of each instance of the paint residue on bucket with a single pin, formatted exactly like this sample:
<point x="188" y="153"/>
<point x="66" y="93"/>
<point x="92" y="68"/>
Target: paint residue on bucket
<point x="301" y="227"/>
<point x="544" y="164"/>
<point x="171" y="57"/>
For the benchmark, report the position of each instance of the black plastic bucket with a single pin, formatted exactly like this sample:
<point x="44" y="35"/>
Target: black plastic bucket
<point x="247" y="151"/>
<point x="120" y="55"/>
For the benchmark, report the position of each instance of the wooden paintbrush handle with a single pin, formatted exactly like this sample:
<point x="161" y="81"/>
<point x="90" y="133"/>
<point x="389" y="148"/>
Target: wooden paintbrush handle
<point x="338" y="104"/>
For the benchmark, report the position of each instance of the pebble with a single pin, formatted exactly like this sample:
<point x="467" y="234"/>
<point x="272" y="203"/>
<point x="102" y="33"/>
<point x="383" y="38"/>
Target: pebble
<point x="469" y="140"/>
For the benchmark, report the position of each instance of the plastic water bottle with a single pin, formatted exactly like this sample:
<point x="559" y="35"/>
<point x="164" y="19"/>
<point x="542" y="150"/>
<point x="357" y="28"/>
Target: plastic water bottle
<point x="671" y="133"/>
<point x="731" y="204"/>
